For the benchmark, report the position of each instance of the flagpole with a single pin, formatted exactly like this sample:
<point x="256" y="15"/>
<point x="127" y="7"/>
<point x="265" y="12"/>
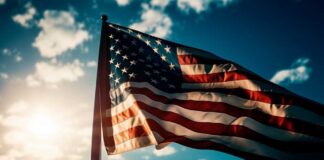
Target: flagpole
<point x="99" y="98"/>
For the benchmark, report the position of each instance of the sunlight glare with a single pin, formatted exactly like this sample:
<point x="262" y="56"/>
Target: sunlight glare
<point x="42" y="126"/>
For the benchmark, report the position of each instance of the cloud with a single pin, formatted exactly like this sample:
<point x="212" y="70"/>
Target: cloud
<point x="168" y="150"/>
<point x="6" y="52"/>
<point x="59" y="139"/>
<point x="18" y="107"/>
<point x="201" y="5"/>
<point x="123" y="2"/>
<point x="18" y="58"/>
<point x="92" y="63"/>
<point x="4" y="75"/>
<point x="60" y="33"/>
<point x="298" y="73"/>
<point x="153" y="21"/>
<point x="2" y="2"/>
<point x="54" y="72"/>
<point x="26" y="18"/>
<point x="160" y="3"/>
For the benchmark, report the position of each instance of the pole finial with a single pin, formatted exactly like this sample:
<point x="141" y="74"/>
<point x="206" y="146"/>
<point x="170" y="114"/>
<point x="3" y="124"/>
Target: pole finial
<point x="104" y="18"/>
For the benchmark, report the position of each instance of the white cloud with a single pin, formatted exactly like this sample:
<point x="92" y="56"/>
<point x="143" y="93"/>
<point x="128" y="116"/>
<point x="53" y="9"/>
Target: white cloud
<point x="298" y="73"/>
<point x="2" y="2"/>
<point x="92" y="63"/>
<point x="153" y="21"/>
<point x="6" y="52"/>
<point x="26" y="18"/>
<point x="4" y="75"/>
<point x="60" y="33"/>
<point x="18" y="107"/>
<point x="160" y="3"/>
<point x="146" y="157"/>
<point x="123" y="2"/>
<point x="197" y="5"/>
<point x="168" y="150"/>
<point x="55" y="72"/>
<point x="201" y="5"/>
<point x="18" y="58"/>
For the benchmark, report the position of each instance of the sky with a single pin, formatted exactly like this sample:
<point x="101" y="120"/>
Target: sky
<point x="49" y="52"/>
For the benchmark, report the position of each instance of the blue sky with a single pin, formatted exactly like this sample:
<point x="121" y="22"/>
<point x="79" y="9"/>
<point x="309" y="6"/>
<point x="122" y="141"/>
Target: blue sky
<point x="49" y="50"/>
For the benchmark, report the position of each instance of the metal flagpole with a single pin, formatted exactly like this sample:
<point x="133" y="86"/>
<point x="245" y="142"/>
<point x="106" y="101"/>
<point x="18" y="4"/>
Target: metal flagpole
<point x="102" y="91"/>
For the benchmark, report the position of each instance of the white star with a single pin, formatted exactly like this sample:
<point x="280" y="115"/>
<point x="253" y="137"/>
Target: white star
<point x="154" y="81"/>
<point x="132" y="75"/>
<point x="130" y="31"/>
<point x="163" y="58"/>
<point x="155" y="50"/>
<point x="148" y="42"/>
<point x="171" y="66"/>
<point x="111" y="61"/>
<point x="112" y="48"/>
<point x="117" y="80"/>
<point x="164" y="79"/>
<point x="171" y="86"/>
<point x="125" y="47"/>
<point x="147" y="73"/>
<point x="141" y="50"/>
<point x="158" y="42"/>
<point x="149" y="66"/>
<point x="125" y="57"/>
<point x="124" y="70"/>
<point x="133" y="42"/>
<point x="139" y="35"/>
<point x="118" y="52"/>
<point x="116" y="40"/>
<point x="118" y="29"/>
<point x="133" y="62"/>
<point x="117" y="65"/>
<point x="167" y="49"/>
<point x="111" y="36"/>
<point x="111" y="75"/>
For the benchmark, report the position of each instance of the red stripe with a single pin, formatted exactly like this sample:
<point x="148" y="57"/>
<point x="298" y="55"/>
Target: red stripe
<point x="131" y="112"/>
<point x="218" y="77"/>
<point x="202" y="144"/>
<point x="269" y="97"/>
<point x="230" y="130"/>
<point x="221" y="129"/>
<point x="195" y="59"/>
<point x="289" y="124"/>
<point x="134" y="132"/>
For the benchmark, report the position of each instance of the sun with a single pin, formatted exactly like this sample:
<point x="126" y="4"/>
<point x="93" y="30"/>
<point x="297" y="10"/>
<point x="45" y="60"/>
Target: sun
<point x="42" y="125"/>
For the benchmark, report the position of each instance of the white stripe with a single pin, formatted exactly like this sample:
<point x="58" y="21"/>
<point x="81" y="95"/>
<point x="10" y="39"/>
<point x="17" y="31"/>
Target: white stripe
<point x="214" y="117"/>
<point x="279" y="110"/>
<point x="237" y="143"/>
<point x="190" y="51"/>
<point x="195" y="69"/>
<point x="244" y="84"/>
<point x="138" y="120"/>
<point x="132" y="144"/>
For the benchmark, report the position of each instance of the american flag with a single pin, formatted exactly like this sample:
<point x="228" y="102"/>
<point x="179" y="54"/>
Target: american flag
<point x="162" y="92"/>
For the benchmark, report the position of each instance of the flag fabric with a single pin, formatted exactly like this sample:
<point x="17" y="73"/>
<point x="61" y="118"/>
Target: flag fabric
<point x="162" y="92"/>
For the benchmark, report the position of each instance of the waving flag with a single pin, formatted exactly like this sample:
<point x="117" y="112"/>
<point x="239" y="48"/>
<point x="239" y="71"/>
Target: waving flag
<point x="157" y="92"/>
